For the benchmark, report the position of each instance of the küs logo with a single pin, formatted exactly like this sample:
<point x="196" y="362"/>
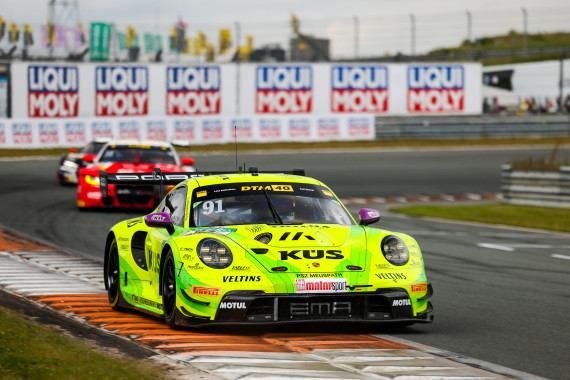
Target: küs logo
<point x="193" y="90"/>
<point x="121" y="91"/>
<point x="284" y="89"/>
<point x="435" y="88"/>
<point x="53" y="91"/>
<point x="359" y="89"/>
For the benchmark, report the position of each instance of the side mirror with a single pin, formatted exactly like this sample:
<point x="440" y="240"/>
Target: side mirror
<point x="368" y="216"/>
<point x="73" y="150"/>
<point x="88" y="157"/>
<point x="187" y="161"/>
<point x="160" y="220"/>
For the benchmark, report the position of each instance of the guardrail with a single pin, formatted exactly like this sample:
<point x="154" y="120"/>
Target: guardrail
<point x="452" y="127"/>
<point x="536" y="187"/>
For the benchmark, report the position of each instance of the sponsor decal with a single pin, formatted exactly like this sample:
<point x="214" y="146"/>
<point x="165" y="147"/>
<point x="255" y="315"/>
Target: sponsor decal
<point x="53" y="91"/>
<point x="269" y="128"/>
<point x="129" y="130"/>
<point x="156" y="130"/>
<point x="241" y="268"/>
<point x="316" y="265"/>
<point x="404" y="302"/>
<point x="284" y="89"/>
<point x="384" y="266"/>
<point x="146" y="302"/>
<point x="184" y="130"/>
<point x="319" y="275"/>
<point x="320" y="308"/>
<point x="311" y="254"/>
<point x="187" y="257"/>
<point x="419" y="288"/>
<point x="75" y="132"/>
<point x="133" y="222"/>
<point x="299" y="128"/>
<point x="121" y="91"/>
<point x="328" y="127"/>
<point x="268" y="187"/>
<point x="196" y="266"/>
<point x="359" y="89"/>
<point x="232" y="305"/>
<point x="206" y="291"/>
<point x="2" y="133"/>
<point x="435" y="88"/>
<point x="391" y="276"/>
<point x="328" y="193"/>
<point x="200" y="194"/>
<point x="22" y="133"/>
<point x="241" y="278"/>
<point x="360" y="127"/>
<point x="213" y="230"/>
<point x="193" y="90"/>
<point x="48" y="133"/>
<point x="333" y="285"/>
<point x="242" y="128"/>
<point x="101" y="129"/>
<point x="123" y="239"/>
<point x="212" y="130"/>
<point x="158" y="218"/>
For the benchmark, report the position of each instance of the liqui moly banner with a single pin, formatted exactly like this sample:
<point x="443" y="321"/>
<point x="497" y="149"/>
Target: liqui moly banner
<point x="359" y="89"/>
<point x="436" y="89"/>
<point x="121" y="90"/>
<point x="2" y="133"/>
<point x="242" y="129"/>
<point x="156" y="130"/>
<point x="184" y="129"/>
<point x="284" y="89"/>
<point x="193" y="90"/>
<point x="53" y="91"/>
<point x="101" y="129"/>
<point x="75" y="132"/>
<point x="48" y="132"/>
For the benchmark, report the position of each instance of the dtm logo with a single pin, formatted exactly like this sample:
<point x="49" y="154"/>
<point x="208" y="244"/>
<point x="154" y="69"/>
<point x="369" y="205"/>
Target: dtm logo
<point x="435" y="88"/>
<point x="193" y="90"/>
<point x="184" y="130"/>
<point x="129" y="130"/>
<point x="53" y="91"/>
<point x="299" y="128"/>
<point x="22" y="133"/>
<point x="212" y="130"/>
<point x="75" y="132"/>
<point x="405" y="302"/>
<point x="360" y="127"/>
<point x="156" y="130"/>
<point x="102" y="129"/>
<point x="48" y="133"/>
<point x="242" y="128"/>
<point x="359" y="89"/>
<point x="328" y="127"/>
<point x="121" y="91"/>
<point x="284" y="89"/>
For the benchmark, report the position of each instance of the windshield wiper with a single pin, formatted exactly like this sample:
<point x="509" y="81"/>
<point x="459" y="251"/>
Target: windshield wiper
<point x="272" y="208"/>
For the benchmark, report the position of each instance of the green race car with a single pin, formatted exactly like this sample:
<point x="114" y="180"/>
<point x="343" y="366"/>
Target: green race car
<point x="260" y="248"/>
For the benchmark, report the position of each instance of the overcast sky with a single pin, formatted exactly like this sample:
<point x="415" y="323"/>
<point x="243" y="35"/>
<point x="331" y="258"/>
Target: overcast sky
<point x="383" y="25"/>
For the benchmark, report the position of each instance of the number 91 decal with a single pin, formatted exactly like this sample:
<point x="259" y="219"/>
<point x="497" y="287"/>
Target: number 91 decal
<point x="210" y="207"/>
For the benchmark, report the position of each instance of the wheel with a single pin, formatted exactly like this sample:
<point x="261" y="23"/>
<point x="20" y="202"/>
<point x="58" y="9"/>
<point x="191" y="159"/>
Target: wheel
<point x="169" y="291"/>
<point x="113" y="277"/>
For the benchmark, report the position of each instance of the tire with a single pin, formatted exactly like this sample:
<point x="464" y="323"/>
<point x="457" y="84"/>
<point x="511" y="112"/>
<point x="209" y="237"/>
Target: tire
<point x="168" y="288"/>
<point x="112" y="279"/>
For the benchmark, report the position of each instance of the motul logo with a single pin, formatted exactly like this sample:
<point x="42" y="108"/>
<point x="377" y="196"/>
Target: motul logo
<point x="405" y="302"/>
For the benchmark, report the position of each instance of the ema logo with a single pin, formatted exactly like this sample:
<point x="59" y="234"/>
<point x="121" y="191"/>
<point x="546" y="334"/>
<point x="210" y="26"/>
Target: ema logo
<point x="328" y="127"/>
<point x="299" y="128"/>
<point x="53" y="91"/>
<point x="121" y="91"/>
<point x="75" y="132"/>
<point x="193" y="90"/>
<point x="22" y="133"/>
<point x="48" y="133"/>
<point x="184" y="130"/>
<point x="360" y="127"/>
<point x="101" y="129"/>
<point x="359" y="89"/>
<point x="212" y="130"/>
<point x="156" y="130"/>
<point x="129" y="130"/>
<point x="284" y="89"/>
<point x="435" y="89"/>
<point x="242" y="128"/>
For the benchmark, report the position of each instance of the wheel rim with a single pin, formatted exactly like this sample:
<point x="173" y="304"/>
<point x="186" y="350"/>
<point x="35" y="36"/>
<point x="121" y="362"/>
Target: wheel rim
<point x="113" y="274"/>
<point x="169" y="290"/>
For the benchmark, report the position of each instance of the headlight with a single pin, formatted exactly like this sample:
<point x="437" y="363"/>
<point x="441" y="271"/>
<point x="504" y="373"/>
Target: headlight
<point x="214" y="253"/>
<point x="70" y="164"/>
<point x="394" y="250"/>
<point x="92" y="180"/>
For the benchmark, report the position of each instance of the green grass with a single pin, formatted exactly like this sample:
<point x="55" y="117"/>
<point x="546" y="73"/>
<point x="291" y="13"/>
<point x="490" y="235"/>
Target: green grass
<point x="521" y="216"/>
<point x="30" y="351"/>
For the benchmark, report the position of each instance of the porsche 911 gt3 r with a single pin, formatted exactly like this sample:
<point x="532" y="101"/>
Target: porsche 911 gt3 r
<point x="260" y="248"/>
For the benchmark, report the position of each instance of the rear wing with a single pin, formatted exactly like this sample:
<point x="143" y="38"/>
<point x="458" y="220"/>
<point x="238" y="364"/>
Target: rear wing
<point x="157" y="177"/>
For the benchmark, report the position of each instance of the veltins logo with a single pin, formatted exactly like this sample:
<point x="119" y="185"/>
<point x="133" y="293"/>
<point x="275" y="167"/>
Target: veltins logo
<point x="53" y="91"/>
<point x="193" y="90"/>
<point x="284" y="89"/>
<point x="121" y="91"/>
<point x="435" y="88"/>
<point x="359" y="89"/>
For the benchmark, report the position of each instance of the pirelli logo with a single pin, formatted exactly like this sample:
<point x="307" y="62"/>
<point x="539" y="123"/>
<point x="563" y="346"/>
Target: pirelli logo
<point x="206" y="291"/>
<point x="419" y="288"/>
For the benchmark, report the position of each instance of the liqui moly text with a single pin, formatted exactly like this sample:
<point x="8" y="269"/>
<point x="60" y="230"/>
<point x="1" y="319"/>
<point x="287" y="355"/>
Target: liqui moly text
<point x="436" y="88"/>
<point x="53" y="91"/>
<point x="193" y="90"/>
<point x="284" y="89"/>
<point x="121" y="91"/>
<point x="359" y="89"/>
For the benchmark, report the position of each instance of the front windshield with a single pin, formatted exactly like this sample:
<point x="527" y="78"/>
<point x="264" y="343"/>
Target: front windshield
<point x="138" y="154"/>
<point x="92" y="148"/>
<point x="246" y="203"/>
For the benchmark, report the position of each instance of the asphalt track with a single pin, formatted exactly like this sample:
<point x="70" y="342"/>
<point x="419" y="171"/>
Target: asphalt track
<point x="501" y="295"/>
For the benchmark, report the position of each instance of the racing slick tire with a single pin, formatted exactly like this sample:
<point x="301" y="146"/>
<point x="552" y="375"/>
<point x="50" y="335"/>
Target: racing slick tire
<point x="113" y="277"/>
<point x="168" y="287"/>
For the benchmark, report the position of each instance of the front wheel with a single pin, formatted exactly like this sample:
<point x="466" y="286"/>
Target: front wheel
<point x="169" y="291"/>
<point x="112" y="279"/>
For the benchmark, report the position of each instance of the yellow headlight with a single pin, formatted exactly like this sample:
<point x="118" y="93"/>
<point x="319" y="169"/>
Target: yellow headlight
<point x="92" y="180"/>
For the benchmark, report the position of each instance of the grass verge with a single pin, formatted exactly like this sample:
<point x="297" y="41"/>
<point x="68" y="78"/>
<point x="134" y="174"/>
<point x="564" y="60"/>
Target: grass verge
<point x="30" y="351"/>
<point x="521" y="216"/>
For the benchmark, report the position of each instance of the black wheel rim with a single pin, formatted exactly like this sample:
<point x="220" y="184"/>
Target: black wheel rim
<point x="169" y="289"/>
<point x="113" y="274"/>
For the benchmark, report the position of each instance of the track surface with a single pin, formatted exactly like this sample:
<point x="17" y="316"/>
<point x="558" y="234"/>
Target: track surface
<point x="501" y="295"/>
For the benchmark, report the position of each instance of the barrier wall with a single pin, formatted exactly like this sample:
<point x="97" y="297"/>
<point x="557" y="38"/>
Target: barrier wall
<point x="61" y="104"/>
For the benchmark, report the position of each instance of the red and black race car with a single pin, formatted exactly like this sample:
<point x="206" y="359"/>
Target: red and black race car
<point x="71" y="162"/>
<point x="128" y="156"/>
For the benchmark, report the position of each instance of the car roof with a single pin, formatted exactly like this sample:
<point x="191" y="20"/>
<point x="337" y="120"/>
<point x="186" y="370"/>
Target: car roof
<point x="157" y="143"/>
<point x="249" y="177"/>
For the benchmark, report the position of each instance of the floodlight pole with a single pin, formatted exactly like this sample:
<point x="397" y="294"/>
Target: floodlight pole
<point x="413" y="42"/>
<point x="525" y="32"/>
